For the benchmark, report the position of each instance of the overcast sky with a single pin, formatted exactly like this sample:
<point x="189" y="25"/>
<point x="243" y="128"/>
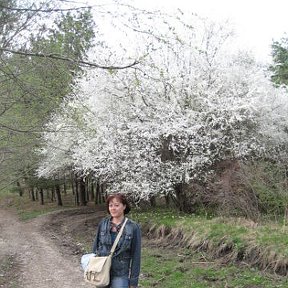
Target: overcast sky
<point x="256" y="22"/>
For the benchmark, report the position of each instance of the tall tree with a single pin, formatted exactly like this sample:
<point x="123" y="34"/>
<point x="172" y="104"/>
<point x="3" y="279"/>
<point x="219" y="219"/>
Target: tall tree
<point x="280" y="61"/>
<point x="32" y="87"/>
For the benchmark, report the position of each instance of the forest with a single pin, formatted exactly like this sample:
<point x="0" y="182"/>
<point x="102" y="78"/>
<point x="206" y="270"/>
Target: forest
<point x="96" y="99"/>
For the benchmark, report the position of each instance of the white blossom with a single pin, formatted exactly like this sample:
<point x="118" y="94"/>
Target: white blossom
<point x="188" y="105"/>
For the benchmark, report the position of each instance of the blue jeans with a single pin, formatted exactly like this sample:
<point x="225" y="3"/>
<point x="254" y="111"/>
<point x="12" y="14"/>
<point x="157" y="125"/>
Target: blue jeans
<point x="119" y="282"/>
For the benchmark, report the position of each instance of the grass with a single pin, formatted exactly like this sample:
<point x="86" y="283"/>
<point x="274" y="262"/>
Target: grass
<point x="171" y="268"/>
<point x="27" y="209"/>
<point x="231" y="240"/>
<point x="239" y="231"/>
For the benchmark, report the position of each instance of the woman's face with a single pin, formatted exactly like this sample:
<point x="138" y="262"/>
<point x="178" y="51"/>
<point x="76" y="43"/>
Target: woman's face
<point x="116" y="208"/>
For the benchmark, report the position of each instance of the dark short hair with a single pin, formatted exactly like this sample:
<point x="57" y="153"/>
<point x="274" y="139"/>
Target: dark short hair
<point x="121" y="198"/>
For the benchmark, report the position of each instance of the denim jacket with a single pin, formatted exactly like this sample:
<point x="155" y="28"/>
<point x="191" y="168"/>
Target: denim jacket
<point x="127" y="255"/>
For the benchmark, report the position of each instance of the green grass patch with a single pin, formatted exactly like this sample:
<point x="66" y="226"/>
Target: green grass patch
<point x="27" y="215"/>
<point x="172" y="268"/>
<point x="28" y="209"/>
<point x="239" y="231"/>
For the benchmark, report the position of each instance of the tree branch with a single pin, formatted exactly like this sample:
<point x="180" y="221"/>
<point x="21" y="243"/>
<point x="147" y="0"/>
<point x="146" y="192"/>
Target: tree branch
<point x="43" y="10"/>
<point x="59" y="57"/>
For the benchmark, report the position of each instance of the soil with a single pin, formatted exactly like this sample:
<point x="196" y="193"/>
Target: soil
<point x="44" y="252"/>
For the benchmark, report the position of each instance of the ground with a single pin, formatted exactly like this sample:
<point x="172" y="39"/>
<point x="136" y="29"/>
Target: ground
<point x="42" y="252"/>
<point x="46" y="251"/>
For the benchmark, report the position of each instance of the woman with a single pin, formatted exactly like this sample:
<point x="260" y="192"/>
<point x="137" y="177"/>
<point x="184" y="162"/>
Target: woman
<point x="125" y="267"/>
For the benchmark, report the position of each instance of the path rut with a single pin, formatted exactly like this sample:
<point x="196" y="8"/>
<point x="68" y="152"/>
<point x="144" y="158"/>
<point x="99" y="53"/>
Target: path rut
<point x="38" y="260"/>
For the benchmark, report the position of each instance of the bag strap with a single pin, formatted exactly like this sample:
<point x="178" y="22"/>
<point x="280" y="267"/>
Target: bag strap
<point x="118" y="237"/>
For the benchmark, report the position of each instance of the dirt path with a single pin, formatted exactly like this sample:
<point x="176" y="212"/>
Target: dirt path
<point x="35" y="259"/>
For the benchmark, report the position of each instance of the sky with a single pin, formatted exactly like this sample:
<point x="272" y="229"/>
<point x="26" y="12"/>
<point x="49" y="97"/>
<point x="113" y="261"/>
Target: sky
<point x="256" y="22"/>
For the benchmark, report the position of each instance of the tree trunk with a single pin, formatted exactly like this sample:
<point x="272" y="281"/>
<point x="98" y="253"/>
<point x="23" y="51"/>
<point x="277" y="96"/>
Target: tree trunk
<point x="32" y="194"/>
<point x="167" y="201"/>
<point x="181" y="198"/>
<point x="73" y="182"/>
<point x="87" y="189"/>
<point x="52" y="194"/>
<point x="82" y="192"/>
<point x="58" y="195"/>
<point x="92" y="191"/>
<point x="153" y="201"/>
<point x="64" y="184"/>
<point x="103" y="193"/>
<point x="98" y="192"/>
<point x="41" y="196"/>
<point x="76" y="191"/>
<point x="19" y="189"/>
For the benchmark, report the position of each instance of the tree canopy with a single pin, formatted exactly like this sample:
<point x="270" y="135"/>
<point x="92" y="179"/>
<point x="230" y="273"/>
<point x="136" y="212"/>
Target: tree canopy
<point x="169" y="103"/>
<point x="187" y="106"/>
<point x="33" y="87"/>
<point x="280" y="61"/>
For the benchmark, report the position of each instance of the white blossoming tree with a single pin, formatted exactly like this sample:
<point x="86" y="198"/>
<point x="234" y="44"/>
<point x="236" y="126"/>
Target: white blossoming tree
<point x="188" y="105"/>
